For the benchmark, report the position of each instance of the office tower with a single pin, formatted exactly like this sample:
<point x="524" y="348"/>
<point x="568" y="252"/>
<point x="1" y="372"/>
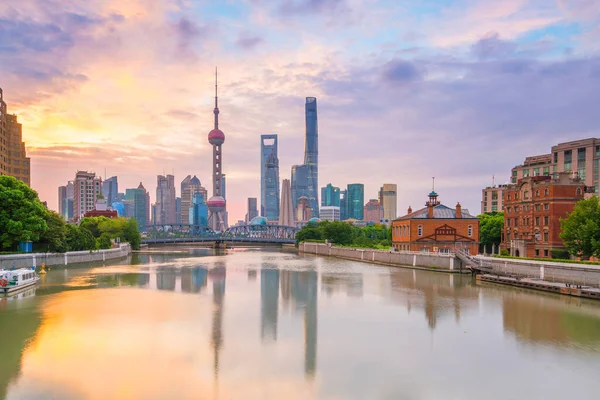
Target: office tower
<point x="286" y="214"/>
<point x="68" y="202"/>
<point x="178" y="210"/>
<point x="62" y="197"/>
<point x="305" y="177"/>
<point x="198" y="213"/>
<point x="110" y="190"/>
<point x="343" y="205"/>
<point x="87" y="188"/>
<point x="388" y="200"/>
<point x="269" y="177"/>
<point x="189" y="186"/>
<point x="372" y="211"/>
<point x="217" y="205"/>
<point x="355" y="201"/>
<point x="492" y="198"/>
<point x="303" y="210"/>
<point x="165" y="200"/>
<point x="329" y="213"/>
<point x="330" y="196"/>
<point x="252" y="209"/>
<point x="13" y="158"/>
<point x="153" y="216"/>
<point x="136" y="204"/>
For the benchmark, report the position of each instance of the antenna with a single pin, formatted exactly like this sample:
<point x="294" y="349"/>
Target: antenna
<point x="433" y="184"/>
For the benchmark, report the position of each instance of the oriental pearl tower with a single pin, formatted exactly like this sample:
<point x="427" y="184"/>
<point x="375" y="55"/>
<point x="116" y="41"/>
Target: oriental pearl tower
<point x="216" y="204"/>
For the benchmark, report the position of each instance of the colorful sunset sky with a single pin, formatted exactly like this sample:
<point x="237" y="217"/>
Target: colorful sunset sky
<point x="461" y="90"/>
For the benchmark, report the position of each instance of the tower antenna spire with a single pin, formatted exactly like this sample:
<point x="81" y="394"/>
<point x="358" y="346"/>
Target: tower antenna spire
<point x="216" y="111"/>
<point x="433" y="184"/>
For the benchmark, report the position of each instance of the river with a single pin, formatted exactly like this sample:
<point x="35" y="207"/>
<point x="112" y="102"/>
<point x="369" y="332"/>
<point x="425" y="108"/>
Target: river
<point x="187" y="323"/>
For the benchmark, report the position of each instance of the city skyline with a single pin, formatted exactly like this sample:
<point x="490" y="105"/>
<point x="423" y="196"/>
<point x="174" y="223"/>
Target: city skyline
<point x="422" y="88"/>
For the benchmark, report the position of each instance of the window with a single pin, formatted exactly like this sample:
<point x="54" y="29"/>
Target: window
<point x="508" y="235"/>
<point x="537" y="193"/>
<point x="546" y="253"/>
<point x="525" y="173"/>
<point x="470" y="229"/>
<point x="537" y="252"/>
<point x="546" y="171"/>
<point x="546" y="220"/>
<point x="508" y="222"/>
<point x="597" y="151"/>
<point x="536" y="172"/>
<point x="516" y="221"/>
<point x="508" y="209"/>
<point x="546" y="206"/>
<point x="580" y="155"/>
<point x="508" y="196"/>
<point x="545" y="192"/>
<point x="538" y="207"/>
<point x="537" y="221"/>
<point x="545" y="236"/>
<point x="578" y="192"/>
<point x="581" y="173"/>
<point x="420" y="230"/>
<point x="555" y="157"/>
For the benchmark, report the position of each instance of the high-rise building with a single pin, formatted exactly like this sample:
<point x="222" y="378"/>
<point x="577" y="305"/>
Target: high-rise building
<point x="269" y="177"/>
<point x="286" y="214"/>
<point x="217" y="206"/>
<point x="356" y="200"/>
<point x="62" y="196"/>
<point x="492" y="199"/>
<point x="305" y="177"/>
<point x="138" y="198"/>
<point x="13" y="158"/>
<point x="165" y="200"/>
<point x="580" y="157"/>
<point x="330" y="196"/>
<point x="303" y="210"/>
<point x="178" y="210"/>
<point x="532" y="166"/>
<point x="252" y="209"/>
<point x="87" y="188"/>
<point x="189" y="186"/>
<point x="110" y="190"/>
<point x="198" y="213"/>
<point x="372" y="211"/>
<point x="343" y="205"/>
<point x="388" y="199"/>
<point x="67" y="205"/>
<point x="329" y="213"/>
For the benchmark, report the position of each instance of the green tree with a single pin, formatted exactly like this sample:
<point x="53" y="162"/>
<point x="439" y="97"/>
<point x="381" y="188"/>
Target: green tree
<point x="580" y="230"/>
<point x="55" y="237"/>
<point x="490" y="228"/>
<point x="103" y="242"/>
<point x="79" y="238"/>
<point x="336" y="232"/>
<point x="308" y="233"/>
<point x="21" y="213"/>
<point x="132" y="234"/>
<point x="92" y="224"/>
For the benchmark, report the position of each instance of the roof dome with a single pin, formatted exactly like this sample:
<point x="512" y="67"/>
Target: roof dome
<point x="216" y="137"/>
<point x="195" y="181"/>
<point x="314" y="221"/>
<point x="258" y="221"/>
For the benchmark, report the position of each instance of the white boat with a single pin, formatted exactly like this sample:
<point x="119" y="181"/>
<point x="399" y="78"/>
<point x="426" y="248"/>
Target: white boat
<point x="18" y="279"/>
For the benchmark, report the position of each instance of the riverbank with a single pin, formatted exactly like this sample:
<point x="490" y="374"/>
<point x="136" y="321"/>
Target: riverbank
<point x="431" y="262"/>
<point x="68" y="258"/>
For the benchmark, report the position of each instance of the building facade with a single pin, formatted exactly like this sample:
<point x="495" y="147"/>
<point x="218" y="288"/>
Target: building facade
<point x="165" y="200"/>
<point x="355" y="200"/>
<point x="373" y="212"/>
<point x="492" y="199"/>
<point x="533" y="208"/>
<point x="252" y="209"/>
<point x="305" y="177"/>
<point x="581" y="157"/>
<point x="13" y="157"/>
<point x="330" y="196"/>
<point x="343" y="205"/>
<point x="286" y="211"/>
<point x="303" y="210"/>
<point x="86" y="189"/>
<point x="139" y="199"/>
<point x="329" y="213"/>
<point x="110" y="190"/>
<point x="198" y="213"/>
<point x="388" y="199"/>
<point x="190" y="186"/>
<point x="532" y="166"/>
<point x="436" y="228"/>
<point x="3" y="137"/>
<point x="269" y="177"/>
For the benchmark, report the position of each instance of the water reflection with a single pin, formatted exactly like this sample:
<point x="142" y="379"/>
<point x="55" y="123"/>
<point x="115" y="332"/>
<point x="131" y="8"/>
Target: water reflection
<point x="269" y="301"/>
<point x="218" y="275"/>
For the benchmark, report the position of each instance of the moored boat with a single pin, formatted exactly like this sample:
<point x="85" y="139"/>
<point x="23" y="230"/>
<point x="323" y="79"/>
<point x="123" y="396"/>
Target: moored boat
<point x="15" y="280"/>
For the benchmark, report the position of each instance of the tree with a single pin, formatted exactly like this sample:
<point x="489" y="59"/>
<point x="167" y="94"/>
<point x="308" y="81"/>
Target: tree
<point x="132" y="234"/>
<point x="336" y="232"/>
<point x="55" y="237"/>
<point x="21" y="213"/>
<point x="103" y="242"/>
<point x="308" y="233"/>
<point x="490" y="228"/>
<point x="92" y="224"/>
<point x="580" y="230"/>
<point x="79" y="238"/>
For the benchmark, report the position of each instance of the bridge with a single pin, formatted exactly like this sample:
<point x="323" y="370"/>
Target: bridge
<point x="259" y="234"/>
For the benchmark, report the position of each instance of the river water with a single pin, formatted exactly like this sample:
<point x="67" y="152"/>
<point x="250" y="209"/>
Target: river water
<point x="186" y="323"/>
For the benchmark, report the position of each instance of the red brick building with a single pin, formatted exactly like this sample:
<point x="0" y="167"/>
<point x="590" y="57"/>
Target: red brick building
<point x="436" y="228"/>
<point x="533" y="208"/>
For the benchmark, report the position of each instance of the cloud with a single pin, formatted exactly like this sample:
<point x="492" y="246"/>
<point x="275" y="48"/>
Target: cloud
<point x="491" y="46"/>
<point x="248" y="42"/>
<point x="400" y="71"/>
<point x="308" y="7"/>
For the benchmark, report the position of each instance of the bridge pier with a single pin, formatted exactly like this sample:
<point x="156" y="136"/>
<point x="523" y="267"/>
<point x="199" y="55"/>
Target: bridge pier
<point x="219" y="244"/>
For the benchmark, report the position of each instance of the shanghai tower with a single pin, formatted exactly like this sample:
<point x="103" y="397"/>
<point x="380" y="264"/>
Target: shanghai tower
<point x="305" y="177"/>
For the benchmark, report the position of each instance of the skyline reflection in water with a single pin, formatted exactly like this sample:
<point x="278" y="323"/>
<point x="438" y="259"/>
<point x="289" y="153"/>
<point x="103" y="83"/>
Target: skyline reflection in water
<point x="260" y="324"/>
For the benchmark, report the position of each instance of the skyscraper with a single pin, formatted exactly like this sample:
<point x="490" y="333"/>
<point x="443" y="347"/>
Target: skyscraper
<point x="269" y="177"/>
<point x="217" y="205"/>
<point x="138" y="198"/>
<point x="13" y="159"/>
<point x="110" y="190"/>
<point x="305" y="178"/>
<point x="303" y="210"/>
<point x="62" y="196"/>
<point x="372" y="211"/>
<point x="87" y="188"/>
<point x="252" y="209"/>
<point x="330" y="196"/>
<point x="356" y="200"/>
<point x="189" y="186"/>
<point x="198" y="213"/>
<point x="343" y="205"/>
<point x="388" y="199"/>
<point x="286" y="215"/>
<point x="165" y="200"/>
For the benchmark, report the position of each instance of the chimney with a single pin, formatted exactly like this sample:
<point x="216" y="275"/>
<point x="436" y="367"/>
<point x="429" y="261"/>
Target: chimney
<point x="458" y="210"/>
<point x="409" y="210"/>
<point x="430" y="210"/>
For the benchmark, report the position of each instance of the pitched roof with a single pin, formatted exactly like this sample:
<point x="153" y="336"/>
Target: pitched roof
<point x="440" y="211"/>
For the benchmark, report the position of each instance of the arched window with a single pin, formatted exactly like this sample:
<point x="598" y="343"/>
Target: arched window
<point x="545" y="192"/>
<point x="537" y="193"/>
<point x="470" y="230"/>
<point x="578" y="191"/>
<point x="420" y="230"/>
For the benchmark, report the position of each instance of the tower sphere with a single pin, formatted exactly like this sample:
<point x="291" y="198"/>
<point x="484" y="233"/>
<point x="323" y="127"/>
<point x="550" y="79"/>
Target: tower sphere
<point x="216" y="137"/>
<point x="216" y="204"/>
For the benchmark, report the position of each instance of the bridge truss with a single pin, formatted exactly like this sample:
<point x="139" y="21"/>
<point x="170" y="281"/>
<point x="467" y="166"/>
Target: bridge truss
<point x="174" y="233"/>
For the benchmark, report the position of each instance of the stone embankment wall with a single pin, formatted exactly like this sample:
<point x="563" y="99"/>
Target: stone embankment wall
<point x="437" y="262"/>
<point x="551" y="271"/>
<point x="71" y="257"/>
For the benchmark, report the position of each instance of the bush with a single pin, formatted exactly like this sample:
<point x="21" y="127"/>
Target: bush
<point x="560" y="254"/>
<point x="103" y="242"/>
<point x="504" y="253"/>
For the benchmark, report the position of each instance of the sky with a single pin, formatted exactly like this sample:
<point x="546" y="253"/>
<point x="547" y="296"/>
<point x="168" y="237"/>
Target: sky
<point x="407" y="90"/>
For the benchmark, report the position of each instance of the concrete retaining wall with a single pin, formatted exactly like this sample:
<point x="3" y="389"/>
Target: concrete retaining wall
<point x="446" y="263"/>
<point x="71" y="257"/>
<point x="588" y="275"/>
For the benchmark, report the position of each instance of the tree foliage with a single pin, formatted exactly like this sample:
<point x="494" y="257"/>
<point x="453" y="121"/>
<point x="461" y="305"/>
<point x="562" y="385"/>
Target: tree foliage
<point x="490" y="228"/>
<point x="21" y="213"/>
<point x="79" y="238"/>
<point x="580" y="230"/>
<point x="55" y="237"/>
<point x="345" y="234"/>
